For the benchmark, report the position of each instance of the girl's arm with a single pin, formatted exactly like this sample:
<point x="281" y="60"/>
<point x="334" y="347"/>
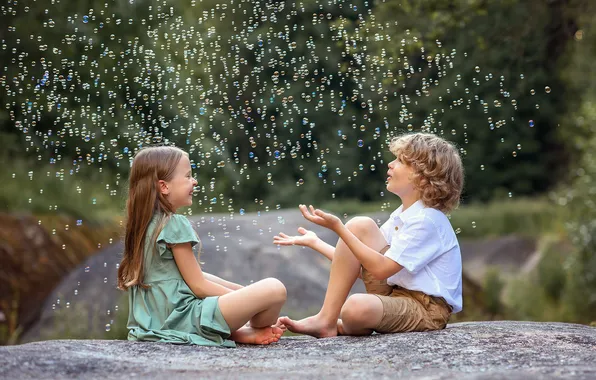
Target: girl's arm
<point x="192" y="274"/>
<point x="222" y="282"/>
<point x="306" y="239"/>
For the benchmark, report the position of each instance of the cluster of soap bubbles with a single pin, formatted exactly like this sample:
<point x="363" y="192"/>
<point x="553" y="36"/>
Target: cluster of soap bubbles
<point x="241" y="85"/>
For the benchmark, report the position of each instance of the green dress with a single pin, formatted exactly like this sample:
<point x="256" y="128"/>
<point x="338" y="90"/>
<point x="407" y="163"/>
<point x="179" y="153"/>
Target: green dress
<point x="168" y="311"/>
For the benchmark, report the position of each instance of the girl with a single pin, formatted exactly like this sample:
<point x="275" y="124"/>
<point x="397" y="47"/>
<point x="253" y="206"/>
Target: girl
<point x="170" y="298"/>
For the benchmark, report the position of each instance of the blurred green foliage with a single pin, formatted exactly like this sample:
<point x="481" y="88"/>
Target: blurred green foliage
<point x="493" y="287"/>
<point x="473" y="71"/>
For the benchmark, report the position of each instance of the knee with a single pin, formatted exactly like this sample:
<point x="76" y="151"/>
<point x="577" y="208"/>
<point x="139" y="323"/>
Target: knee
<point x="361" y="224"/>
<point x="276" y="289"/>
<point x="357" y="310"/>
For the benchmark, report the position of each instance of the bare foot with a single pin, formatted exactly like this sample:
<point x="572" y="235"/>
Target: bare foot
<point x="313" y="326"/>
<point x="250" y="335"/>
<point x="280" y="325"/>
<point x="340" y="328"/>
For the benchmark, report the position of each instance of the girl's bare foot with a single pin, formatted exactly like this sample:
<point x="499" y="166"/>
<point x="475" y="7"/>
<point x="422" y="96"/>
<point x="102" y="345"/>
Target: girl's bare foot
<point x="280" y="325"/>
<point x="250" y="335"/>
<point x="313" y="326"/>
<point x="340" y="328"/>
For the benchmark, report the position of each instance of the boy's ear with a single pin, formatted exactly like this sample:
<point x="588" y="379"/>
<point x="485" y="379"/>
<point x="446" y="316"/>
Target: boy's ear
<point x="163" y="187"/>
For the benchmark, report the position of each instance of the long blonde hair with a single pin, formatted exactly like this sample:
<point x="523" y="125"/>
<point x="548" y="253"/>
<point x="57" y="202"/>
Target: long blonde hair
<point x="144" y="201"/>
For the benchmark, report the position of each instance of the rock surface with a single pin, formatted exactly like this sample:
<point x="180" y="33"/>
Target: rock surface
<point x="473" y="350"/>
<point x="36" y="254"/>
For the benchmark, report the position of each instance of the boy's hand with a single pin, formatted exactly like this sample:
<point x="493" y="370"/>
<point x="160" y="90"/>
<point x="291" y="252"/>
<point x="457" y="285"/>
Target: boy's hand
<point x="321" y="218"/>
<point x="306" y="238"/>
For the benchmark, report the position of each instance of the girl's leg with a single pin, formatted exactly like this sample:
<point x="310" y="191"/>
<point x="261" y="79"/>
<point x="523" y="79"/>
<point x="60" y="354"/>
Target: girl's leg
<point x="260" y="303"/>
<point x="344" y="271"/>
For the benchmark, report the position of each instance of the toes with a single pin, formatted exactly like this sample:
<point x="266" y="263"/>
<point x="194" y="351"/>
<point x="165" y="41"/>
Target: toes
<point x="286" y="321"/>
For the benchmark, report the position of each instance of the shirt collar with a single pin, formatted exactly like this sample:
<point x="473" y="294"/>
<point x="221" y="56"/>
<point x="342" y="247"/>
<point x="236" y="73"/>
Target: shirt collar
<point x="401" y="216"/>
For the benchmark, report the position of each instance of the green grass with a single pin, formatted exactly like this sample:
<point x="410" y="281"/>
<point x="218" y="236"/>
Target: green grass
<point x="50" y="189"/>
<point x="531" y="217"/>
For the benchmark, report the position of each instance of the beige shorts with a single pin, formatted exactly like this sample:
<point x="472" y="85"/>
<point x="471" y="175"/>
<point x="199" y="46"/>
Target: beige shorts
<point x="406" y="310"/>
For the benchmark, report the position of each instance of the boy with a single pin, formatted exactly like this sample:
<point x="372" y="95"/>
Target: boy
<point x="411" y="266"/>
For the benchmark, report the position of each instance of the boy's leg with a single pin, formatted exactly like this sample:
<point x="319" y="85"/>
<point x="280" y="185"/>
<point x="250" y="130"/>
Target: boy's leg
<point x="344" y="271"/>
<point x="360" y="315"/>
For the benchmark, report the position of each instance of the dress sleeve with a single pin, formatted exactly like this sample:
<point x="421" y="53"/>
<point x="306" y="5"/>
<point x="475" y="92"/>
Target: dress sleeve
<point x="177" y="230"/>
<point x="416" y="245"/>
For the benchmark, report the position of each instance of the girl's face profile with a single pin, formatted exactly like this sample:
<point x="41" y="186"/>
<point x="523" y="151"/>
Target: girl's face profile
<point x="179" y="189"/>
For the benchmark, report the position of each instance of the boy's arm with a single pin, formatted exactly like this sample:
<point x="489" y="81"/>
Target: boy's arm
<point x="308" y="239"/>
<point x="323" y="248"/>
<point x="375" y="263"/>
<point x="228" y="284"/>
<point x="380" y="266"/>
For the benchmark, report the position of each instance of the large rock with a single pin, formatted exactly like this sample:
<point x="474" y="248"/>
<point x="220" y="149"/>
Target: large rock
<point x="475" y="350"/>
<point x="36" y="253"/>
<point x="238" y="248"/>
<point x="510" y="254"/>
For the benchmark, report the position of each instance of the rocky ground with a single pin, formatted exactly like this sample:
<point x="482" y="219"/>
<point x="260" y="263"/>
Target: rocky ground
<point x="473" y="350"/>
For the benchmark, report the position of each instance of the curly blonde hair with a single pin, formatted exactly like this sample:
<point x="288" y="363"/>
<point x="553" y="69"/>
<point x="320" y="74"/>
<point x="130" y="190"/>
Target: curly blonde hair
<point x="436" y="163"/>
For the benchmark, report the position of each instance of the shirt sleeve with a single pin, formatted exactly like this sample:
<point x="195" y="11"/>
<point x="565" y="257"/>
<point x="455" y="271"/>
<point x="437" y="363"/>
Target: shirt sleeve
<point x="176" y="231"/>
<point x="417" y="244"/>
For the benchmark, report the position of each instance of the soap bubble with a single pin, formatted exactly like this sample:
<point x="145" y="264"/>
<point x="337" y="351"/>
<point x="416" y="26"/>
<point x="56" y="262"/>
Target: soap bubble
<point x="233" y="86"/>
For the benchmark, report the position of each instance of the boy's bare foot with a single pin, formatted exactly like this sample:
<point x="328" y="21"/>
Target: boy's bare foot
<point x="250" y="335"/>
<point x="313" y="326"/>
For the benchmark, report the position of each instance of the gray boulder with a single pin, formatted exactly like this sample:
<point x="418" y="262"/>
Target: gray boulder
<point x="473" y="350"/>
<point x="87" y="303"/>
<point x="239" y="248"/>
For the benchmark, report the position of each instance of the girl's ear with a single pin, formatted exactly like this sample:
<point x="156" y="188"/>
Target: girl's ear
<point x="163" y="187"/>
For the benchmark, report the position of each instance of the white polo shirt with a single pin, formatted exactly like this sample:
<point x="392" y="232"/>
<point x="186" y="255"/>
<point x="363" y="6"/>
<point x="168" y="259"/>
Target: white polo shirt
<point x="424" y="243"/>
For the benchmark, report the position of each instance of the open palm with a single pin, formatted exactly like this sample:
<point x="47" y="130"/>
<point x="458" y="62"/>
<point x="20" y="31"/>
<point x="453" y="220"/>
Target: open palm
<point x="320" y="217"/>
<point x="306" y="238"/>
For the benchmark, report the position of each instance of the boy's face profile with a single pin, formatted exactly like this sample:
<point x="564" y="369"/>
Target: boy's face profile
<point x="399" y="179"/>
